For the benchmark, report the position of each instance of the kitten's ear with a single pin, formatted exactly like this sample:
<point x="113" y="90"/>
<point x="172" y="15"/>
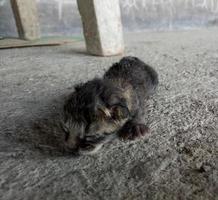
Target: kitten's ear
<point x="101" y="110"/>
<point x="104" y="112"/>
<point x="119" y="112"/>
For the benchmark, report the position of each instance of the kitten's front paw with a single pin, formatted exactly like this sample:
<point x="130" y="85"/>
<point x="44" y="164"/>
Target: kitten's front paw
<point x="90" y="144"/>
<point x="132" y="131"/>
<point x="86" y="145"/>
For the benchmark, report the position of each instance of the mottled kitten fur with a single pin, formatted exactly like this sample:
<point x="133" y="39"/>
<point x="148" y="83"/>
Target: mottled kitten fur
<point x="112" y="107"/>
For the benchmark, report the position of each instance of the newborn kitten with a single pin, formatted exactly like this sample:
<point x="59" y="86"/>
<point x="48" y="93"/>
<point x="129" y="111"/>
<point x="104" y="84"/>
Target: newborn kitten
<point x="101" y="110"/>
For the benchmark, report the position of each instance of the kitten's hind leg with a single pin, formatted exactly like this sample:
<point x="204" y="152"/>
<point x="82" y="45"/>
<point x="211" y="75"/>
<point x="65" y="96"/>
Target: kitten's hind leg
<point x="134" y="128"/>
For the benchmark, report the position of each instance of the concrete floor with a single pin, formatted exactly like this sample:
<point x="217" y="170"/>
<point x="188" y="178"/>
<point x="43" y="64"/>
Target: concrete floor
<point x="179" y="160"/>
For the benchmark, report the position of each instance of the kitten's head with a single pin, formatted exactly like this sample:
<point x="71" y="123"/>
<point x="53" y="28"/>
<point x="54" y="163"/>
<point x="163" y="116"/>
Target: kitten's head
<point x="96" y="107"/>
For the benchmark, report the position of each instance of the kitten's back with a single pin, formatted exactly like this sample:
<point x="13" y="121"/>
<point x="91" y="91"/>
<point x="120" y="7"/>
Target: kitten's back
<point x="136" y="72"/>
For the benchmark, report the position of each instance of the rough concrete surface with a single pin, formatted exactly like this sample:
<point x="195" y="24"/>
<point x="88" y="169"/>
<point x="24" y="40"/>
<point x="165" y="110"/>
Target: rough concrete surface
<point x="178" y="160"/>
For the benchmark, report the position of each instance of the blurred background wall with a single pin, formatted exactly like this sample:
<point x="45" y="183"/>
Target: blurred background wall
<point x="61" y="17"/>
